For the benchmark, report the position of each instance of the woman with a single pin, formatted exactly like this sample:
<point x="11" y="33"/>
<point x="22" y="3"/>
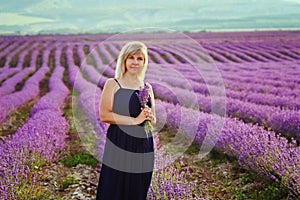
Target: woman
<point x="128" y="158"/>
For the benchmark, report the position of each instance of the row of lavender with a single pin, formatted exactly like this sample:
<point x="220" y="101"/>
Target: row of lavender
<point x="6" y="70"/>
<point x="281" y="120"/>
<point x="281" y="97"/>
<point x="178" y="54"/>
<point x="248" y="51"/>
<point x="224" y="52"/>
<point x="39" y="140"/>
<point x="256" y="148"/>
<point x="256" y="77"/>
<point x="275" y="89"/>
<point x="275" y="83"/>
<point x="18" y="72"/>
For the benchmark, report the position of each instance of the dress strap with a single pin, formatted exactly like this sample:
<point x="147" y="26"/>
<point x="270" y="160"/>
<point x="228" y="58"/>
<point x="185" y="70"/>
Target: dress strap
<point x="118" y="83"/>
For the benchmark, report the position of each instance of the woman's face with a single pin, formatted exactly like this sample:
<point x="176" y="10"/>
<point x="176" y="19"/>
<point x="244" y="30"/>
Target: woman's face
<point x="134" y="63"/>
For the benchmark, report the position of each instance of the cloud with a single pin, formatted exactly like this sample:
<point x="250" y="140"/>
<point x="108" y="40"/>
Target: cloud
<point x="49" y="6"/>
<point x="12" y="19"/>
<point x="51" y="28"/>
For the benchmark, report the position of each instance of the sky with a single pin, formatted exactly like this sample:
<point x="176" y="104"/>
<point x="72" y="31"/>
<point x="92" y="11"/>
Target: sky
<point x="116" y="16"/>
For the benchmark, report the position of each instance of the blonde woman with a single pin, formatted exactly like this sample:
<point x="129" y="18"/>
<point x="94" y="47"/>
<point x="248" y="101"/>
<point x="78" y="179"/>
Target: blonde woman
<point x="128" y="158"/>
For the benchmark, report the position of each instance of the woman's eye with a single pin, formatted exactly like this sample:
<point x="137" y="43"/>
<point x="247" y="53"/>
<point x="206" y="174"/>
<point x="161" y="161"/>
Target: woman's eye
<point x="140" y="58"/>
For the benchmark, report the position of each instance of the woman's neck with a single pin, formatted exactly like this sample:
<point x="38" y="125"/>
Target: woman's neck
<point x="131" y="80"/>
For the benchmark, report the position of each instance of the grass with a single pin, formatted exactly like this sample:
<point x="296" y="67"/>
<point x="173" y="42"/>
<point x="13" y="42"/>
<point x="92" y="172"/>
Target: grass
<point x="16" y="119"/>
<point x="69" y="180"/>
<point x="270" y="191"/>
<point x="32" y="192"/>
<point x="80" y="158"/>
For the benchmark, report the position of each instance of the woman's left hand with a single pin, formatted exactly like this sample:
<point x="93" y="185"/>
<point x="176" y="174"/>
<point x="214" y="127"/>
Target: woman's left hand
<point x="149" y="114"/>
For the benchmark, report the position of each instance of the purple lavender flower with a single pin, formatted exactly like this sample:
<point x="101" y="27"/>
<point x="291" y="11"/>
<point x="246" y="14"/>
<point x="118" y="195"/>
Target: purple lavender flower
<point x="143" y="96"/>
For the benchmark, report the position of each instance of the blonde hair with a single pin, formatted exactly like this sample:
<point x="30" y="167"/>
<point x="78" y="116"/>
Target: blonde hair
<point x="128" y="49"/>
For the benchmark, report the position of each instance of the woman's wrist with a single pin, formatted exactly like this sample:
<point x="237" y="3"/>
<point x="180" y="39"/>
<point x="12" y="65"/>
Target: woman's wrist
<point x="135" y="121"/>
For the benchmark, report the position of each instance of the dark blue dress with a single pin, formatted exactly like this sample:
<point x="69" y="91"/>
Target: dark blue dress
<point x="128" y="157"/>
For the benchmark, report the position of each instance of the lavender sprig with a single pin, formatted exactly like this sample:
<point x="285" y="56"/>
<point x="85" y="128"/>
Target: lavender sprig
<point x="143" y="96"/>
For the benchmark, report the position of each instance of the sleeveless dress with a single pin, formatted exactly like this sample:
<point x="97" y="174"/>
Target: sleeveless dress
<point x="128" y="157"/>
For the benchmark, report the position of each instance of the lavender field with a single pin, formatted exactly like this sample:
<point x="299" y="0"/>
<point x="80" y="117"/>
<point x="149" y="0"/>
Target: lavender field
<point x="42" y="76"/>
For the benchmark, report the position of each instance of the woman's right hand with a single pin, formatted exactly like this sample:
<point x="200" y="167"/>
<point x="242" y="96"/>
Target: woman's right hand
<point x="146" y="114"/>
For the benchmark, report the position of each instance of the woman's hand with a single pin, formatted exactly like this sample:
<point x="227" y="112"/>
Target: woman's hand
<point x="146" y="114"/>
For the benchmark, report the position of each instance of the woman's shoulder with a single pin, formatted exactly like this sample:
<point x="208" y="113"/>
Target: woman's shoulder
<point x="111" y="83"/>
<point x="111" y="79"/>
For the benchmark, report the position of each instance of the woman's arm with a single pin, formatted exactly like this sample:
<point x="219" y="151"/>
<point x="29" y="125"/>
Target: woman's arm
<point x="106" y="104"/>
<point x="153" y="120"/>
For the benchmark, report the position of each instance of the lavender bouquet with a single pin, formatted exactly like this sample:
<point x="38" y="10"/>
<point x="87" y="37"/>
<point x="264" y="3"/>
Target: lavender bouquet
<point x="143" y="96"/>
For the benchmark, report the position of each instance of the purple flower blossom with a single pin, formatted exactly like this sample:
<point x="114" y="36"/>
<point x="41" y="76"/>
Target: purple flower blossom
<point x="143" y="96"/>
